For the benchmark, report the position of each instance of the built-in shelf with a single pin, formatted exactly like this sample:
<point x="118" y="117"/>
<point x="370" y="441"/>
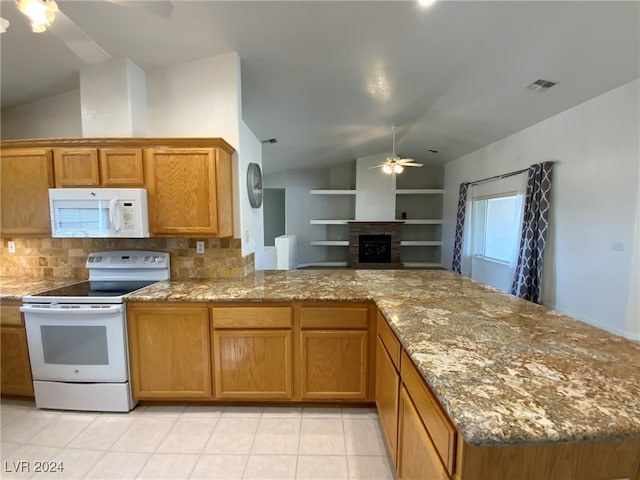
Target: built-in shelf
<point x="419" y="191"/>
<point x="420" y="204"/>
<point x="331" y="243"/>
<point x="333" y="192"/>
<point x="423" y="221"/>
<point x="330" y="222"/>
<point x="323" y="264"/>
<point x="420" y="265"/>
<point x="420" y="243"/>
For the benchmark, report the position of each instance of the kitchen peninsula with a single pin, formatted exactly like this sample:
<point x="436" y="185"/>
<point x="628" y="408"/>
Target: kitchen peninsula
<point x="484" y="385"/>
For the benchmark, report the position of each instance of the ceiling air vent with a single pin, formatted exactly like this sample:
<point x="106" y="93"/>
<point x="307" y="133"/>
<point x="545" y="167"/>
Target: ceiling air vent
<point x="541" y="85"/>
<point x="270" y="140"/>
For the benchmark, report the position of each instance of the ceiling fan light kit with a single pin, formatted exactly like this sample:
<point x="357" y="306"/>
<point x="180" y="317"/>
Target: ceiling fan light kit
<point x="395" y="164"/>
<point x="39" y="12"/>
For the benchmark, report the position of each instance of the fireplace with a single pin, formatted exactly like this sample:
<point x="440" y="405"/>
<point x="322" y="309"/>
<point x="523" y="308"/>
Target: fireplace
<point x="374" y="244"/>
<point x="374" y="248"/>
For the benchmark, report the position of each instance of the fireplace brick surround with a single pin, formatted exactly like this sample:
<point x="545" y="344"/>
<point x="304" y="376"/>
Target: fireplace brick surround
<point x="357" y="228"/>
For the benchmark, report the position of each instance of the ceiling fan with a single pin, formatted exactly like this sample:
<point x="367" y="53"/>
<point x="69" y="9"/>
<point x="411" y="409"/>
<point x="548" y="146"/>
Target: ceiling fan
<point x="45" y="14"/>
<point x="395" y="164"/>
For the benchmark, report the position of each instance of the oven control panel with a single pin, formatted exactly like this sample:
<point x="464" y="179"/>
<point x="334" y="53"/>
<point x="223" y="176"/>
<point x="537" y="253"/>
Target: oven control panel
<point x="128" y="259"/>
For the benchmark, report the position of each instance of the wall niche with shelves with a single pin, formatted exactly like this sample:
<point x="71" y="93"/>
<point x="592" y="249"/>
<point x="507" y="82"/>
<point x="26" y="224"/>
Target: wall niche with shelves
<point x="418" y="193"/>
<point x="419" y="203"/>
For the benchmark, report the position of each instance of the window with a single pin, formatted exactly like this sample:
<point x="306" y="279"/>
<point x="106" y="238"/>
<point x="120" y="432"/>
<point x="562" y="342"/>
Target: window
<point x="496" y="227"/>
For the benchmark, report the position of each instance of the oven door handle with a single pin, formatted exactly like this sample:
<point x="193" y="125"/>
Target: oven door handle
<point x="56" y="309"/>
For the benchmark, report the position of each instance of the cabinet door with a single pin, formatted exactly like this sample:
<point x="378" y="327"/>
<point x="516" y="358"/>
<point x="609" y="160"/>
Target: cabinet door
<point x="417" y="457"/>
<point x="76" y="167"/>
<point x="26" y="176"/>
<point x="121" y="167"/>
<point x="253" y="364"/>
<point x="334" y="364"/>
<point x="15" y="369"/>
<point x="182" y="191"/>
<point x="170" y="352"/>
<point x="387" y="397"/>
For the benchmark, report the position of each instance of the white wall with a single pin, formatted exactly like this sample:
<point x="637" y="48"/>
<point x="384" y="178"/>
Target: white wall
<point x="196" y="99"/>
<point x="57" y="116"/>
<point x="251" y="221"/>
<point x="375" y="190"/>
<point x="588" y="265"/>
<point x="633" y="305"/>
<point x="114" y="100"/>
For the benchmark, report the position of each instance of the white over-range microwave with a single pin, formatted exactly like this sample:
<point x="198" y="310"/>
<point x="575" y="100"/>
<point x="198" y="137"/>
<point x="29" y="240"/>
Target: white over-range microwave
<point x="99" y="212"/>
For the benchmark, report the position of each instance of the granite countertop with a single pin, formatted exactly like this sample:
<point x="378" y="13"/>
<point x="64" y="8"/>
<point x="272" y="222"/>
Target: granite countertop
<point x="505" y="370"/>
<point x="14" y="288"/>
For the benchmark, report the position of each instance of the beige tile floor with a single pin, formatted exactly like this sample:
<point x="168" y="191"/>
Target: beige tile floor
<point x="194" y="442"/>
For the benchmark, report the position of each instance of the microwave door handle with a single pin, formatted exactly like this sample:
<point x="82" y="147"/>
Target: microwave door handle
<point x="115" y="215"/>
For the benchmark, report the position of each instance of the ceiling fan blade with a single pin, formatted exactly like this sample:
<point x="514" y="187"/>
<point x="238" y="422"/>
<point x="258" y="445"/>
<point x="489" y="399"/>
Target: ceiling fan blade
<point x="377" y="166"/>
<point x="161" y="8"/>
<point x="77" y="40"/>
<point x="412" y="165"/>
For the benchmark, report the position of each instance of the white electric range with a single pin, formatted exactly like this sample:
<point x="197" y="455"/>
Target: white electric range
<point x="77" y="335"/>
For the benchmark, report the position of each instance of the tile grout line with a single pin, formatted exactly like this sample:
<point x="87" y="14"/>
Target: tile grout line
<point x="204" y="445"/>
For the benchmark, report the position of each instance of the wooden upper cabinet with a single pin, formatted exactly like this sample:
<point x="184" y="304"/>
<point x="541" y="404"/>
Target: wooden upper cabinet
<point x="121" y="167"/>
<point x="105" y="167"/>
<point x="189" y="191"/>
<point x="26" y="174"/>
<point x="76" y="167"/>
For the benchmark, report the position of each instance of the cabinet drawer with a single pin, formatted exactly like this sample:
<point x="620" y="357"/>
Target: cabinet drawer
<point x="438" y="425"/>
<point x="389" y="340"/>
<point x="251" y="317"/>
<point x="334" y="317"/>
<point x="10" y="314"/>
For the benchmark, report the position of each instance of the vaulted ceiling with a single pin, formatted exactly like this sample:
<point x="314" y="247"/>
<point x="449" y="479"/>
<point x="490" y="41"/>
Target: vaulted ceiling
<point x="329" y="78"/>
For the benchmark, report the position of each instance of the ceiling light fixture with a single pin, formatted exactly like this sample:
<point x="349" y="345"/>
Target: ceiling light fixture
<point x="426" y="3"/>
<point x="395" y="164"/>
<point x="39" y="12"/>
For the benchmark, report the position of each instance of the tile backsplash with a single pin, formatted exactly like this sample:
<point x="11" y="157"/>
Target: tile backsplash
<point x="65" y="257"/>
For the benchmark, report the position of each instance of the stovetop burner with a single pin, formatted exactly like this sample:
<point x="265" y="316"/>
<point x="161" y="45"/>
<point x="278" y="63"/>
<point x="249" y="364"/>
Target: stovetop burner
<point x="98" y="288"/>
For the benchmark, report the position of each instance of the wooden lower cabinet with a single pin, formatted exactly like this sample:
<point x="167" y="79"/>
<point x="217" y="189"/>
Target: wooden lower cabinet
<point x="170" y="351"/>
<point x="334" y="364"/>
<point x="15" y="367"/>
<point x="336" y="352"/>
<point x="387" y="397"/>
<point x="252" y="352"/>
<point x="253" y="364"/>
<point x="417" y="457"/>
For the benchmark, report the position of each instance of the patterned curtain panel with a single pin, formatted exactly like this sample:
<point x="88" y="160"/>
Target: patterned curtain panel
<point x="527" y="282"/>
<point x="456" y="265"/>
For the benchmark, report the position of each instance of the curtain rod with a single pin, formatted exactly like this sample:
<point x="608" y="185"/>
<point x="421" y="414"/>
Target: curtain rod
<point x="497" y="177"/>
